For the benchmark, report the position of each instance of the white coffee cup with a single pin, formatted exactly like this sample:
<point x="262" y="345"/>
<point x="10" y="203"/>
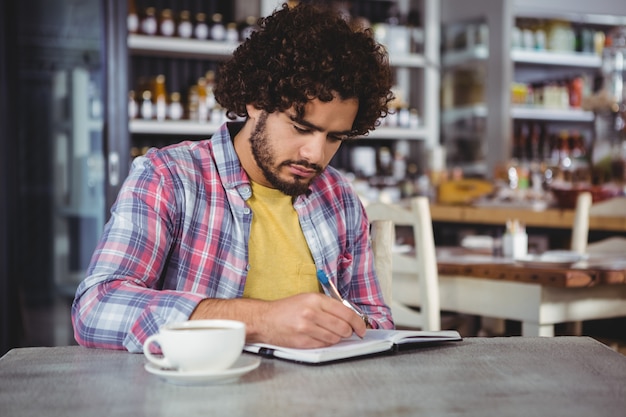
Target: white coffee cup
<point x="197" y="345"/>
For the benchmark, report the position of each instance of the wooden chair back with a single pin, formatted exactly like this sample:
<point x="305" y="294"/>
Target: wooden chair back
<point x="614" y="207"/>
<point x="415" y="280"/>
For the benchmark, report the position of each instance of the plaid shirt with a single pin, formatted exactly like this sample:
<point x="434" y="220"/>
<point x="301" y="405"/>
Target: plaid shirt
<point x="178" y="234"/>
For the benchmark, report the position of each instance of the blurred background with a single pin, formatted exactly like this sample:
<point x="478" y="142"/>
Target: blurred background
<point x="522" y="100"/>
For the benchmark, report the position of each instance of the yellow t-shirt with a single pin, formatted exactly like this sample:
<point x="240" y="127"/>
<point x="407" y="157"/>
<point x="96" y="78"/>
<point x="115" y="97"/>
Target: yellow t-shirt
<point x="280" y="261"/>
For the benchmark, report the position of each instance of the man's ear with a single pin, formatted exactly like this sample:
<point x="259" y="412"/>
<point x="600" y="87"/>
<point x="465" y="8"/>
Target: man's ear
<point x="253" y="112"/>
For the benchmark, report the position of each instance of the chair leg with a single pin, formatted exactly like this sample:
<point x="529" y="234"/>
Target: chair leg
<point x="492" y="326"/>
<point x="574" y="328"/>
<point x="536" y="329"/>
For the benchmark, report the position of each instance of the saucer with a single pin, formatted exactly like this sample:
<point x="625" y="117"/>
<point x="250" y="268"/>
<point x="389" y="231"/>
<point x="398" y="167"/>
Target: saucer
<point x="242" y="366"/>
<point x="551" y="259"/>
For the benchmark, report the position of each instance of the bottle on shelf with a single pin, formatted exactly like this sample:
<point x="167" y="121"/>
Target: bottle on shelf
<point x="184" y="29"/>
<point x="203" y="110"/>
<point x="133" y="108"/>
<point x="160" y="98"/>
<point x="167" y="27"/>
<point x="175" y="109"/>
<point x="192" y="103"/>
<point x="218" y="114"/>
<point x="149" y="22"/>
<point x="132" y="20"/>
<point x="218" y="30"/>
<point x="147" y="108"/>
<point x="210" y="84"/>
<point x="247" y="27"/>
<point x="201" y="29"/>
<point x="232" y="34"/>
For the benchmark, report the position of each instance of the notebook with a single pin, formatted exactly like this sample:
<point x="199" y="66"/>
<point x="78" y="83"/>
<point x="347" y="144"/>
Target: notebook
<point x="374" y="342"/>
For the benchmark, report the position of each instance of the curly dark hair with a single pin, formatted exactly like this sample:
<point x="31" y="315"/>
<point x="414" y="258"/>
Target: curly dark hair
<point x="302" y="53"/>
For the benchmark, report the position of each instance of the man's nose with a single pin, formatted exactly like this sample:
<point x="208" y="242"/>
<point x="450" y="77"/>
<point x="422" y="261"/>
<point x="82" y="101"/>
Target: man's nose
<point x="313" y="149"/>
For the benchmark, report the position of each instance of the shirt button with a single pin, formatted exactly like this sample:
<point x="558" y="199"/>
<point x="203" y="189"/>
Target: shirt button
<point x="245" y="192"/>
<point x="246" y="211"/>
<point x="248" y="267"/>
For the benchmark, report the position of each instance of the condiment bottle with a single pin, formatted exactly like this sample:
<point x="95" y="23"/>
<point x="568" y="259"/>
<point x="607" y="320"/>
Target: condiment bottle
<point x="175" y="111"/>
<point x="232" y="34"/>
<point x="203" y="110"/>
<point x="218" y="31"/>
<point x="210" y="84"/>
<point x="167" y="26"/>
<point x="149" y="22"/>
<point x="132" y="20"/>
<point x="184" y="28"/>
<point x="147" y="110"/>
<point x="247" y="27"/>
<point x="192" y="102"/>
<point x="133" y="108"/>
<point x="160" y="98"/>
<point x="201" y="30"/>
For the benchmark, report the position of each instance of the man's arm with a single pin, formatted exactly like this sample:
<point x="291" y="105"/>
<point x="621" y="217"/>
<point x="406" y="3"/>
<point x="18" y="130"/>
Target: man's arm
<point x="303" y="321"/>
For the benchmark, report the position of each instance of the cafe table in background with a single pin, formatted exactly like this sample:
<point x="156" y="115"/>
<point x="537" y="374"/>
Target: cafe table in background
<point x="537" y="294"/>
<point x="500" y="377"/>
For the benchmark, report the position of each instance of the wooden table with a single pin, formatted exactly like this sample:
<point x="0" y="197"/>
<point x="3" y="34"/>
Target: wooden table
<point x="538" y="297"/>
<point x="551" y="218"/>
<point x="500" y="377"/>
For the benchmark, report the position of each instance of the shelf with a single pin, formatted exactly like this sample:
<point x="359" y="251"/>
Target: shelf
<point x="194" y="48"/>
<point x="188" y="127"/>
<point x="179" y="47"/>
<point x="524" y="56"/>
<point x="536" y="113"/>
<point x="541" y="113"/>
<point x="398" y="133"/>
<point x="566" y="59"/>
<point x="172" y="127"/>
<point x="460" y="113"/>
<point x="407" y="61"/>
<point x="464" y="57"/>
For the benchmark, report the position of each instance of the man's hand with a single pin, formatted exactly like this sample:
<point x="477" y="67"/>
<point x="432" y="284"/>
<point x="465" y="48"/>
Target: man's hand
<point x="309" y="320"/>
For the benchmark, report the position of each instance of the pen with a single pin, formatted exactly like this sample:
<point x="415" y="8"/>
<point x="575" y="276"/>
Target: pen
<point x="332" y="291"/>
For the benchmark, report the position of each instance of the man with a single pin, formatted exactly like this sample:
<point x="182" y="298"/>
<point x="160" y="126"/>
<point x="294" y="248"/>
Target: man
<point x="237" y="226"/>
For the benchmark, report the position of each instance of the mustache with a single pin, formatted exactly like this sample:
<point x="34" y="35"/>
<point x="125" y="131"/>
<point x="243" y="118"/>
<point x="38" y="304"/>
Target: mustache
<point x="317" y="168"/>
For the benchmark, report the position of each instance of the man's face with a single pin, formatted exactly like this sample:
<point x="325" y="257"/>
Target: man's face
<point x="290" y="151"/>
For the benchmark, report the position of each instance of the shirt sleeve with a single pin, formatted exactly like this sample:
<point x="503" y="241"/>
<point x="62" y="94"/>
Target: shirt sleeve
<point x="119" y="303"/>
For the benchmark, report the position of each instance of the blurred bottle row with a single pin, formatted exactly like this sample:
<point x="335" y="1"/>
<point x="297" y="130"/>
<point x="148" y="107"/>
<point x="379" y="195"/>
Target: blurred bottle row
<point x="155" y="103"/>
<point x="557" y="35"/>
<point x="556" y="94"/>
<point x="186" y="24"/>
<point x="534" y="34"/>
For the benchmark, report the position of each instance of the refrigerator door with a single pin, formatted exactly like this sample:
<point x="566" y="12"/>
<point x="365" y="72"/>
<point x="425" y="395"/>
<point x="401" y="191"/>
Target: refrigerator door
<point x="70" y="122"/>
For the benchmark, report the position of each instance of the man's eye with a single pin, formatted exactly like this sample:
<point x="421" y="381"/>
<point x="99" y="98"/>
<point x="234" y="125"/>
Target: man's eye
<point x="300" y="129"/>
<point x="337" y="138"/>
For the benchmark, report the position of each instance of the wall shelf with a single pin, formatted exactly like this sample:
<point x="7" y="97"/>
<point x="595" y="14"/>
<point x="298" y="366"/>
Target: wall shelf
<point x="524" y="56"/>
<point x="569" y="59"/>
<point x="189" y="127"/>
<point x="542" y="113"/>
<point x="179" y="47"/>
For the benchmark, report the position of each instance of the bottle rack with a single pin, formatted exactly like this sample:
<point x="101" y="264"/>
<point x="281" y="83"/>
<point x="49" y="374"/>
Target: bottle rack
<point x="153" y="46"/>
<point x="182" y="60"/>
<point x="495" y="115"/>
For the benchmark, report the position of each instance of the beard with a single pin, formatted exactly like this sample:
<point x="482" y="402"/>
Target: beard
<point x="263" y="154"/>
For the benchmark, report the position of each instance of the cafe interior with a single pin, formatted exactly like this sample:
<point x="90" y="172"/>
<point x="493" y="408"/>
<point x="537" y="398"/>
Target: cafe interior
<point x="502" y="163"/>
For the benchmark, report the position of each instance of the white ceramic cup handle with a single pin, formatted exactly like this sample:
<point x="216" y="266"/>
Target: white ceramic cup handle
<point x="160" y="362"/>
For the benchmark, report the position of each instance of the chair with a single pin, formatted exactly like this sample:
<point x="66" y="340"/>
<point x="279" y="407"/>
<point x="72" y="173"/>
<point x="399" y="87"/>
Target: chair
<point x="414" y="281"/>
<point x="382" y="235"/>
<point x="585" y="209"/>
<point x="614" y="207"/>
